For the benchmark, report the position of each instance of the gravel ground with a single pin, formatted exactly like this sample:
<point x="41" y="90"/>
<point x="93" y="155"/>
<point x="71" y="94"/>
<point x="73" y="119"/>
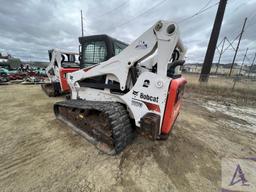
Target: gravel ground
<point x="39" y="153"/>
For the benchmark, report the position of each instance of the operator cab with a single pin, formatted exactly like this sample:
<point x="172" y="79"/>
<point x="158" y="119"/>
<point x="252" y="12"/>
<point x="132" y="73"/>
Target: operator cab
<point x="98" y="48"/>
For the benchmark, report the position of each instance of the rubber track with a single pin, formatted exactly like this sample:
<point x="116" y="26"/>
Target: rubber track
<point x="122" y="132"/>
<point x="47" y="86"/>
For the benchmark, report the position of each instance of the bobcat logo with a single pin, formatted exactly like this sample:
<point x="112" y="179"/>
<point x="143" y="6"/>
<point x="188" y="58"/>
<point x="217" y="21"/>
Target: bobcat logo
<point x="146" y="83"/>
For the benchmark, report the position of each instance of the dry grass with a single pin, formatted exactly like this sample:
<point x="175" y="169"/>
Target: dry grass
<point x="244" y="89"/>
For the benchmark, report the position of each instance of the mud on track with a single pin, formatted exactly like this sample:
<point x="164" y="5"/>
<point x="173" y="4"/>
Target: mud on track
<point x="39" y="153"/>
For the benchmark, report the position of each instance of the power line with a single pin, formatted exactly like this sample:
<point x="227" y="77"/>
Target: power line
<point x="199" y="12"/>
<point x="153" y="7"/>
<point x="205" y="5"/>
<point x="110" y="11"/>
<point x="252" y="17"/>
<point x="250" y="25"/>
<point x="203" y="9"/>
<point x="231" y="11"/>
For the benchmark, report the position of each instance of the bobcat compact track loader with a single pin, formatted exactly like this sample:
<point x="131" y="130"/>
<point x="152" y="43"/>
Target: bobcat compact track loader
<point x="140" y="87"/>
<point x="95" y="49"/>
<point x="61" y="63"/>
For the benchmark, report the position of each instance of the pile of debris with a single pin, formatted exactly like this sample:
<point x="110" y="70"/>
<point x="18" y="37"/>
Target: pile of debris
<point x="22" y="75"/>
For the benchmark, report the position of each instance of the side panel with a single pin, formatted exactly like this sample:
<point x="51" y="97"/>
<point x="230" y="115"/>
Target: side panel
<point x="63" y="78"/>
<point x="172" y="107"/>
<point x="147" y="96"/>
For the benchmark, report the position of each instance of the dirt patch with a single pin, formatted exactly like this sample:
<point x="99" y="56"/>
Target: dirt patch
<point x="39" y="153"/>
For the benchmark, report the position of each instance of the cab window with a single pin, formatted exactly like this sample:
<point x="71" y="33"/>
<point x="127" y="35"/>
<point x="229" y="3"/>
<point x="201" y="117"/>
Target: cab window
<point x="94" y="52"/>
<point x="119" y="47"/>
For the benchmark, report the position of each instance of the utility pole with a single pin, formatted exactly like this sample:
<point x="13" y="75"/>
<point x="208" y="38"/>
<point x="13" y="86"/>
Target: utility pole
<point x="213" y="41"/>
<point x="237" y="47"/>
<point x="82" y="23"/>
<point x="243" y="62"/>
<point x="252" y="65"/>
<point x="221" y="52"/>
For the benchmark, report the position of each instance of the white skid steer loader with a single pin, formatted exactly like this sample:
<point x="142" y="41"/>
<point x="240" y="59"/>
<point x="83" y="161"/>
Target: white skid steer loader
<point x="140" y="87"/>
<point x="95" y="48"/>
<point x="61" y="63"/>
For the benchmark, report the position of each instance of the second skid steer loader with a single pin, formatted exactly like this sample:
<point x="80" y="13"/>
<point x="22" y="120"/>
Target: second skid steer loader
<point x="93" y="50"/>
<point x="61" y="63"/>
<point x="140" y="87"/>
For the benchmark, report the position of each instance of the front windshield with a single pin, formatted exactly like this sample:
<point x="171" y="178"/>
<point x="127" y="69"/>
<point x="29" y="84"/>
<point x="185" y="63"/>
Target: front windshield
<point x="94" y="52"/>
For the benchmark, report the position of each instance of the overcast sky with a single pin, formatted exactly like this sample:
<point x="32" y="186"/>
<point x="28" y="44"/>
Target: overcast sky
<point x="29" y="28"/>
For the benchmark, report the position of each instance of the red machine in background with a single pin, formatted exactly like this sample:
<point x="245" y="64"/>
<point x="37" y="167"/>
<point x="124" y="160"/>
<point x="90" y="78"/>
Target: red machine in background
<point x="60" y="64"/>
<point x="93" y="50"/>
